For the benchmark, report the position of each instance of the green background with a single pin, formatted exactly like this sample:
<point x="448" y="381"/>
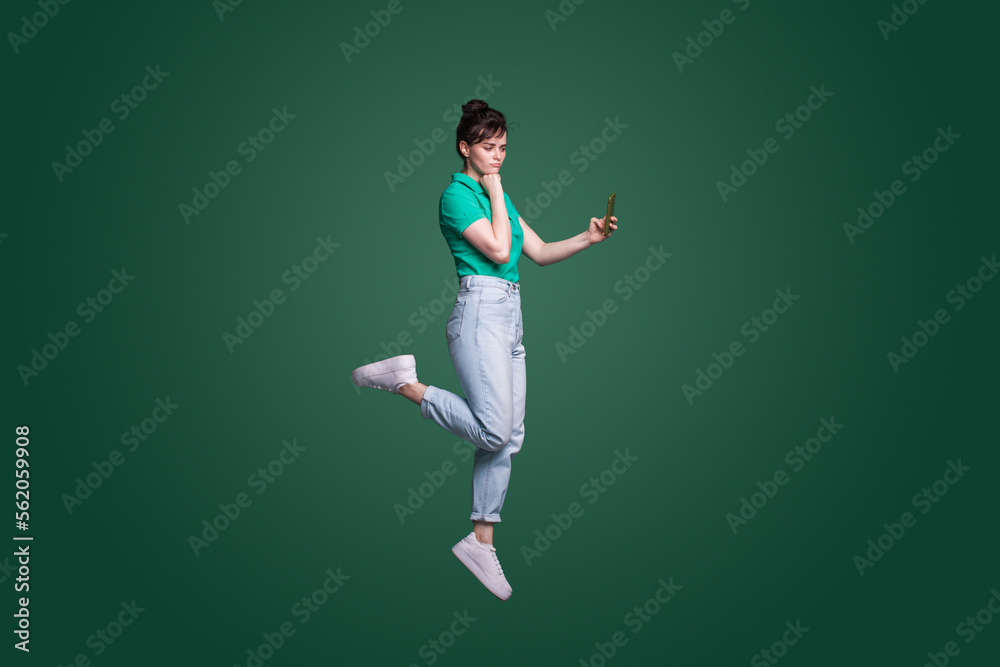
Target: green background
<point x="324" y="176"/>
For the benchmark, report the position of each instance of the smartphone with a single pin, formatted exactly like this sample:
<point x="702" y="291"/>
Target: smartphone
<point x="611" y="211"/>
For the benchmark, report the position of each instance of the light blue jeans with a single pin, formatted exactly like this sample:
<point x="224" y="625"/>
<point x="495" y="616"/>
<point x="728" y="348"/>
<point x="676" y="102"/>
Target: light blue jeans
<point x="484" y="338"/>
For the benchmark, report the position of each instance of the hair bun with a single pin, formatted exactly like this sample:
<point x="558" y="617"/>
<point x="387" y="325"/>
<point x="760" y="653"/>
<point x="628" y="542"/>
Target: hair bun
<point x="474" y="105"/>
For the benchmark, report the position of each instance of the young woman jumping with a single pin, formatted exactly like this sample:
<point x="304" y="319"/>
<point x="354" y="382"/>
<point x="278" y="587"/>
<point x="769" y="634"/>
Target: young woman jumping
<point x="486" y="237"/>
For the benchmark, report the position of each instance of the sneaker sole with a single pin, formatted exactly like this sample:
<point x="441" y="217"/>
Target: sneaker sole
<point x="462" y="554"/>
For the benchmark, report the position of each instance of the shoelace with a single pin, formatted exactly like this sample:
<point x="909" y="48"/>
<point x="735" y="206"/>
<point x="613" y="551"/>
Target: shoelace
<point x="496" y="560"/>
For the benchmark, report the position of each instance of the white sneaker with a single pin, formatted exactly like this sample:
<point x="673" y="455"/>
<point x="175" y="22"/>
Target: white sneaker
<point x="481" y="559"/>
<point x="390" y="374"/>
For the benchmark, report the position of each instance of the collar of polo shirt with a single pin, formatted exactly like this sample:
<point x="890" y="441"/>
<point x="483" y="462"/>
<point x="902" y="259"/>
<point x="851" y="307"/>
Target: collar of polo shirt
<point x="468" y="181"/>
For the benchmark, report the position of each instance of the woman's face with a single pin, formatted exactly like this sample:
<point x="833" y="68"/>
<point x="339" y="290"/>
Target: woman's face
<point x="488" y="155"/>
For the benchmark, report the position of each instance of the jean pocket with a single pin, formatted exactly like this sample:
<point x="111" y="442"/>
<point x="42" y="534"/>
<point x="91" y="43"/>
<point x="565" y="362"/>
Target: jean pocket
<point x="492" y="295"/>
<point x="453" y="329"/>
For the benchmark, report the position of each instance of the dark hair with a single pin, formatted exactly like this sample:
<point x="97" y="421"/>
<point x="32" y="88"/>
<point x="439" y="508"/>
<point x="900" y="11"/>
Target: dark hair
<point x="479" y="122"/>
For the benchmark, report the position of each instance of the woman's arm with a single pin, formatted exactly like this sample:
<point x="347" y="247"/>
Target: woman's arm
<point x="493" y="239"/>
<point x="501" y="221"/>
<point x="542" y="253"/>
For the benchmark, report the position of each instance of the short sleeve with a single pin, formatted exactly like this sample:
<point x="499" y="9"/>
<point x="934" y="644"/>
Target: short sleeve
<point x="459" y="209"/>
<point x="510" y="205"/>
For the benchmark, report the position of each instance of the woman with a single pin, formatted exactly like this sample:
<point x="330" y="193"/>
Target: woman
<point x="486" y="237"/>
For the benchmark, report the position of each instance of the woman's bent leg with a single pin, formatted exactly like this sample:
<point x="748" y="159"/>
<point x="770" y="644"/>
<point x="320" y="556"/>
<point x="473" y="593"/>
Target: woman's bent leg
<point x="481" y="354"/>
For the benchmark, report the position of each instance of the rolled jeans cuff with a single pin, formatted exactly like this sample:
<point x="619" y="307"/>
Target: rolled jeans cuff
<point x="428" y="395"/>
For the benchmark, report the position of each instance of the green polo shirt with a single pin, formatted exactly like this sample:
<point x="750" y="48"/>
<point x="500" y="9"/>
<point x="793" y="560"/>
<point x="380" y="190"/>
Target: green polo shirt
<point x="462" y="203"/>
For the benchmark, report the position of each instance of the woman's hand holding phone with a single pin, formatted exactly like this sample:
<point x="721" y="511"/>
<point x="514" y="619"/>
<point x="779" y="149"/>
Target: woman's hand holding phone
<point x="602" y="228"/>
